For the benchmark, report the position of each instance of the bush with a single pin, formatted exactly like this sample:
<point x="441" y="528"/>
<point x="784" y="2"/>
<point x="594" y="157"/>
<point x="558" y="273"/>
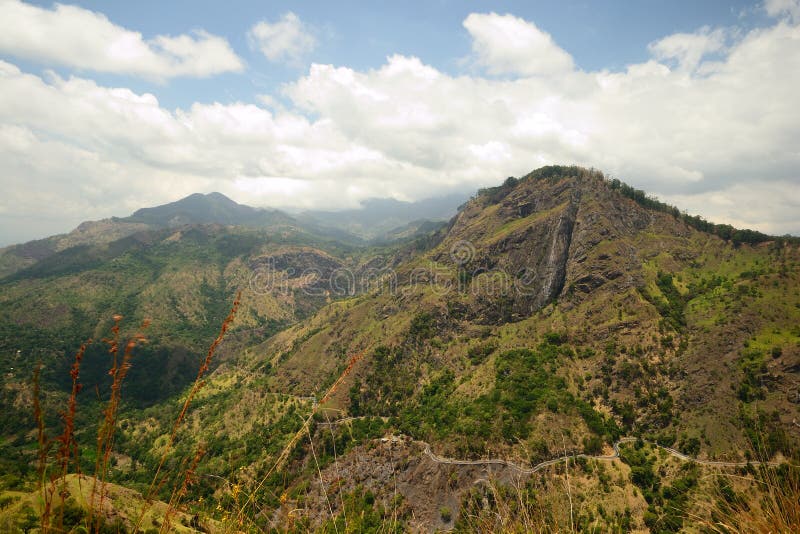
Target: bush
<point x="592" y="445"/>
<point x="445" y="514"/>
<point x="479" y="353"/>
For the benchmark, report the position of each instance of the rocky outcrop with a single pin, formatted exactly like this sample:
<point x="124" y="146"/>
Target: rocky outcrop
<point x="529" y="243"/>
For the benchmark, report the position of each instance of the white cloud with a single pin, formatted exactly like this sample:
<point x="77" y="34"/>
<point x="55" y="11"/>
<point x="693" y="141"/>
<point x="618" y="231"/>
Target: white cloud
<point x="719" y="138"/>
<point x="505" y="44"/>
<point x="779" y="8"/>
<point x="286" y="40"/>
<point x="86" y="40"/>
<point x="688" y="49"/>
<point x="742" y="203"/>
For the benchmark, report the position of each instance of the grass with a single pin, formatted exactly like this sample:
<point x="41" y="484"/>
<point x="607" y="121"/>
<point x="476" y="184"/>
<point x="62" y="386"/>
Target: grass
<point x="57" y="455"/>
<point x="755" y="500"/>
<point x="26" y="509"/>
<point x="283" y="457"/>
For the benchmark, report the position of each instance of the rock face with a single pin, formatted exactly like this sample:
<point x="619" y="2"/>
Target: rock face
<point x="305" y="276"/>
<point x="398" y="462"/>
<point x="527" y="243"/>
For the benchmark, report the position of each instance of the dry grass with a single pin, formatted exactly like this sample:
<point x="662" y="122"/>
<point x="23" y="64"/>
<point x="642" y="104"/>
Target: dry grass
<point x="158" y="479"/>
<point x="499" y="508"/>
<point x="66" y="454"/>
<point x="240" y="517"/>
<point x="105" y="435"/>
<point x="766" y="501"/>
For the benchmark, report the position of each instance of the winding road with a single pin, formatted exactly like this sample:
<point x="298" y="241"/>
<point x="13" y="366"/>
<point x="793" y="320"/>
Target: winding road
<point x="542" y="465"/>
<point x="516" y="467"/>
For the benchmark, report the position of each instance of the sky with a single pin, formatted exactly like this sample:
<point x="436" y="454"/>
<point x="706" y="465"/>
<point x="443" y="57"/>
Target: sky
<point x="106" y="107"/>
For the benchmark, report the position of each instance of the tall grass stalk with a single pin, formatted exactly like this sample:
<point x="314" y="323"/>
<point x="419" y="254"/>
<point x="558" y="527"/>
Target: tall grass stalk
<point x="287" y="450"/>
<point x="158" y="479"/>
<point x="500" y="508"/>
<point x="775" y="510"/>
<point x="180" y="491"/>
<point x="67" y="447"/>
<point x="68" y="452"/>
<point x="67" y="443"/>
<point x="105" y="434"/>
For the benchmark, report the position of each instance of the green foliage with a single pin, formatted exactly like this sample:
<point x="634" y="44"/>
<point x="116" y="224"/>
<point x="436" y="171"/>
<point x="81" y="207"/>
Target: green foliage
<point x="365" y="515"/>
<point x="555" y="338"/>
<point x="642" y="472"/>
<point x="626" y="412"/>
<point x="672" y="306"/>
<point x="667" y="505"/>
<point x="725" y="231"/>
<point x="754" y="369"/>
<point x="445" y="514"/>
<point x="766" y="433"/>
<point x="423" y="326"/>
<point x="478" y="353"/>
<point x="73" y="514"/>
<point x="493" y="195"/>
<point x="389" y="386"/>
<point x="526" y="383"/>
<point x="434" y="413"/>
<point x="690" y="445"/>
<point x="592" y="445"/>
<point x="338" y="441"/>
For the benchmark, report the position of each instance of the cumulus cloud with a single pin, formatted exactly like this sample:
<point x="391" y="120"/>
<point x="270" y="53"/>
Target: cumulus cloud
<point x="285" y="40"/>
<point x="505" y="44"/>
<point x="716" y="136"/>
<point x="787" y="8"/>
<point x="86" y="40"/>
<point x="688" y="49"/>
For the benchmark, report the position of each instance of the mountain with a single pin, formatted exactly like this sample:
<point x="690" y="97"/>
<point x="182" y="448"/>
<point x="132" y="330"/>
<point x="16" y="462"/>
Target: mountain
<point x="557" y="313"/>
<point x="379" y="218"/>
<point x="212" y="208"/>
<point x="384" y="219"/>
<point x="568" y="254"/>
<point x="178" y="265"/>
<point x="17" y="257"/>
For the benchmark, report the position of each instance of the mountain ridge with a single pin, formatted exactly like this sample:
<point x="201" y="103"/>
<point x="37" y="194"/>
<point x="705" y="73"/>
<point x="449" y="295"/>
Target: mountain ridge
<point x="637" y="323"/>
<point x="377" y="218"/>
<point x="216" y="208"/>
<point x="199" y="208"/>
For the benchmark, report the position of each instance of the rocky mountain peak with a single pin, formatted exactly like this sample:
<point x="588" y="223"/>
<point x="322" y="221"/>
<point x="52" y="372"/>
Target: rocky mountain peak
<point x="556" y="232"/>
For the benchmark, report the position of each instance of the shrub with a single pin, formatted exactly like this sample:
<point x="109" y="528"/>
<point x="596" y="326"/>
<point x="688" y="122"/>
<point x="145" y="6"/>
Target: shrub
<point x="592" y="445"/>
<point x="445" y="514"/>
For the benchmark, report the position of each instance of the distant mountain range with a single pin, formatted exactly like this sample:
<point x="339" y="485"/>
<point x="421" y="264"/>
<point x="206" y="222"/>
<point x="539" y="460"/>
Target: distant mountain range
<point x="211" y="208"/>
<point x="380" y="220"/>
<point x="375" y="219"/>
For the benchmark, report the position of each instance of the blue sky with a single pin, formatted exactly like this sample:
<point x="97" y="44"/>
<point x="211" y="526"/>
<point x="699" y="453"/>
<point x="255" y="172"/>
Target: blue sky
<point x="360" y="35"/>
<point x="109" y="106"/>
